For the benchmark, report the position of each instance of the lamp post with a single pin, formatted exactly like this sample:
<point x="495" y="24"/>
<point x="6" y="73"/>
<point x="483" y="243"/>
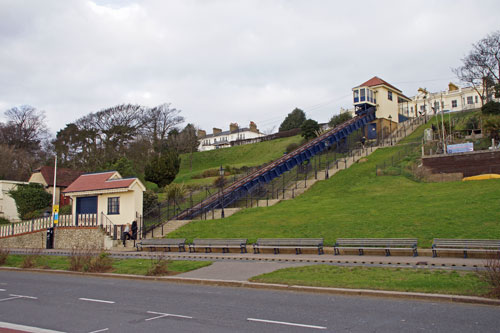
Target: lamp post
<point x="221" y="183"/>
<point x="390" y="127"/>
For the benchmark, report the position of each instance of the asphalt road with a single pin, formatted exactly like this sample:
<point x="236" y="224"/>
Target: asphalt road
<point x="67" y="303"/>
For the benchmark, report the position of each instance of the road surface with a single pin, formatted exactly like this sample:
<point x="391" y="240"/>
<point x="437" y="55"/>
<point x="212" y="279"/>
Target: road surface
<point x="41" y="302"/>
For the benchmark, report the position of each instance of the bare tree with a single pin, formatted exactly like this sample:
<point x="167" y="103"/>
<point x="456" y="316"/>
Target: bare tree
<point x="160" y="121"/>
<point x="25" y="128"/>
<point x="481" y="67"/>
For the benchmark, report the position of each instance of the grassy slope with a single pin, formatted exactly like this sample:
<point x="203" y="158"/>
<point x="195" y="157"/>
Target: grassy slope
<point x="355" y="203"/>
<point x="415" y="280"/>
<point x="247" y="155"/>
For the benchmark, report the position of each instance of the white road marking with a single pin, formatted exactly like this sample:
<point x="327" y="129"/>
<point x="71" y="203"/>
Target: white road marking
<point x="96" y="300"/>
<point x="26" y="328"/>
<point x="22" y="296"/>
<point x="285" y="323"/>
<point x="162" y="315"/>
<point x="2" y="289"/>
<point x="16" y="297"/>
<point x="103" y="330"/>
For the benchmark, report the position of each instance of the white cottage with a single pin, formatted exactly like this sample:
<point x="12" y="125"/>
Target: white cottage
<point x="222" y="139"/>
<point x="106" y="195"/>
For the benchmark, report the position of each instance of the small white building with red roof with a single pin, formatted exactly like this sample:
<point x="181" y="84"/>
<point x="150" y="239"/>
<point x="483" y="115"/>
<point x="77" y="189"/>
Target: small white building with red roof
<point x="107" y="196"/>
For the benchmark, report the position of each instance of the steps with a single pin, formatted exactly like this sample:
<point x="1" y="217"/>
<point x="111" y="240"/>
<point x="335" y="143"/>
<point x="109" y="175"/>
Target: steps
<point x="293" y="190"/>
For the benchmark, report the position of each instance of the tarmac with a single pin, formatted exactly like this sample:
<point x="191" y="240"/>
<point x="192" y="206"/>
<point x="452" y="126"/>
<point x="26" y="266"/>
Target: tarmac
<point x="235" y="269"/>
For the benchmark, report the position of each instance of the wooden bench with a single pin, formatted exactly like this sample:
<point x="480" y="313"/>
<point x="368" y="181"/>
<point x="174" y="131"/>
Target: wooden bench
<point x="466" y="245"/>
<point x="165" y="243"/>
<point x="387" y="244"/>
<point x="219" y="243"/>
<point x="288" y="243"/>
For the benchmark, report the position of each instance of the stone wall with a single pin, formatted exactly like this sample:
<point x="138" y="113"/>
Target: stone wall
<point x="469" y="164"/>
<point x="64" y="238"/>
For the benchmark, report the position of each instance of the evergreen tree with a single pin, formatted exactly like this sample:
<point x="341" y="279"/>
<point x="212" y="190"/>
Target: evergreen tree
<point x="295" y="119"/>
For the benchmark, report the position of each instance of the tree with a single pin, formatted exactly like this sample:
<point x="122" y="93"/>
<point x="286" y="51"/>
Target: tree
<point x="339" y="119"/>
<point x="309" y="129"/>
<point x="25" y="128"/>
<point x="124" y="166"/>
<point x="30" y="198"/>
<point x="163" y="168"/>
<point x="481" y="67"/>
<point x="160" y="121"/>
<point x="294" y="119"/>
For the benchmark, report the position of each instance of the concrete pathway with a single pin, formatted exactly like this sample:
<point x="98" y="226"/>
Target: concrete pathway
<point x="236" y="271"/>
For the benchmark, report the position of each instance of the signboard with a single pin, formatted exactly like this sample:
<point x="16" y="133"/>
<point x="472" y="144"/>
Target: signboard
<point x="460" y="148"/>
<point x="55" y="212"/>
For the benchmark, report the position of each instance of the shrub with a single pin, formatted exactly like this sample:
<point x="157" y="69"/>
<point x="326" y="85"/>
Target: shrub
<point x="149" y="200"/>
<point x="100" y="264"/>
<point x="491" y="275"/>
<point x="4" y="254"/>
<point x="78" y="259"/>
<point x="3" y="220"/>
<point x="89" y="260"/>
<point x="30" y="259"/>
<point x="491" y="107"/>
<point x="30" y="198"/>
<point x="66" y="210"/>
<point x="159" y="266"/>
<point x="291" y="147"/>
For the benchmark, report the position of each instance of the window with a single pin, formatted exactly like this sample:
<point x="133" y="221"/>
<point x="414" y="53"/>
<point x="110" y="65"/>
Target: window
<point x="477" y="99"/>
<point x="356" y="96"/>
<point x="411" y="109"/>
<point x="454" y="103"/>
<point x="436" y="106"/>
<point x="389" y="95"/>
<point x="362" y="94"/>
<point x="469" y="100"/>
<point x="114" y="206"/>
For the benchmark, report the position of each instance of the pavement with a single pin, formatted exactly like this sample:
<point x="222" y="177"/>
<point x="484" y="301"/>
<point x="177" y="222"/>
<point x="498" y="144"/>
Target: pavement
<point x="243" y="266"/>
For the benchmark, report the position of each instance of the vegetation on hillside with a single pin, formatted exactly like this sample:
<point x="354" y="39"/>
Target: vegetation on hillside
<point x="355" y="203"/>
<point x="236" y="157"/>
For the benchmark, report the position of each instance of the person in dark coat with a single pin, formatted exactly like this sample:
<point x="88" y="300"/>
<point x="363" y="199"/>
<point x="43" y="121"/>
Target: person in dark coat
<point x="134" y="230"/>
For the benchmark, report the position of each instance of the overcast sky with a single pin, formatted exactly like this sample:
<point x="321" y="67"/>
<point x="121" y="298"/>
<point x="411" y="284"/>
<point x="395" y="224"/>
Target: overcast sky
<point x="227" y="61"/>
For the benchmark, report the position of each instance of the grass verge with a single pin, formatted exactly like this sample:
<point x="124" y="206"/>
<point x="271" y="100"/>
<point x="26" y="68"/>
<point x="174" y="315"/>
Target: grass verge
<point x="120" y="266"/>
<point x="394" y="279"/>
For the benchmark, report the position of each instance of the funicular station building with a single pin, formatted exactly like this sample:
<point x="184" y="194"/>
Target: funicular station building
<point x="391" y="106"/>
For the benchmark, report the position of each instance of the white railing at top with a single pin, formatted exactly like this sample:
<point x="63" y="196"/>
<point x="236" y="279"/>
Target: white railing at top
<point x="83" y="220"/>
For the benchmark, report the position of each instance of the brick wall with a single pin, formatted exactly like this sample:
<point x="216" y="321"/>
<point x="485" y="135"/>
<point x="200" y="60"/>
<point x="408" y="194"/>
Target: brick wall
<point x="65" y="238"/>
<point x="470" y="164"/>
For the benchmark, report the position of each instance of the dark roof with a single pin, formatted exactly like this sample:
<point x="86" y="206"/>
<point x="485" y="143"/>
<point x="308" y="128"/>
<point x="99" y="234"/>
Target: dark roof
<point x="376" y="81"/>
<point x="98" y="181"/>
<point x="64" y="176"/>
<point x="246" y="129"/>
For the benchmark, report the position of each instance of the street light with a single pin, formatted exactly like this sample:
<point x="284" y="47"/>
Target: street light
<point x="221" y="184"/>
<point x="390" y="127"/>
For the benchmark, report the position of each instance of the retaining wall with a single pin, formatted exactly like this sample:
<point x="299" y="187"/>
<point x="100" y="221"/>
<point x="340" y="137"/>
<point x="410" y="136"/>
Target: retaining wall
<point x="469" y="164"/>
<point x="64" y="238"/>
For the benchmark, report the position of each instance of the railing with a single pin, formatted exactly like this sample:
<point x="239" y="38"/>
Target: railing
<point x="83" y="220"/>
<point x="109" y="227"/>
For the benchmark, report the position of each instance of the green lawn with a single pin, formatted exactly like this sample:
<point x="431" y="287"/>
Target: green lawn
<point x="238" y="156"/>
<point x="396" y="279"/>
<point x="356" y="203"/>
<point x="120" y="266"/>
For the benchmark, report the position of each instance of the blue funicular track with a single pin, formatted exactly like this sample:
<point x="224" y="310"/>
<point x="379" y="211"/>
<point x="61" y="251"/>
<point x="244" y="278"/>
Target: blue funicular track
<point x="275" y="169"/>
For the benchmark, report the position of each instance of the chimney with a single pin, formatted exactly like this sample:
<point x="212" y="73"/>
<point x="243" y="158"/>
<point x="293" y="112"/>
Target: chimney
<point x="253" y="127"/>
<point x="452" y="87"/>
<point x="233" y="127"/>
<point x="201" y="134"/>
<point x="216" y="130"/>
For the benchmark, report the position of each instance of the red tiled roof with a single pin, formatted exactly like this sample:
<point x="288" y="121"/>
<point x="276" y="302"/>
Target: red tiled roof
<point x="376" y="81"/>
<point x="98" y="181"/>
<point x="64" y="176"/>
